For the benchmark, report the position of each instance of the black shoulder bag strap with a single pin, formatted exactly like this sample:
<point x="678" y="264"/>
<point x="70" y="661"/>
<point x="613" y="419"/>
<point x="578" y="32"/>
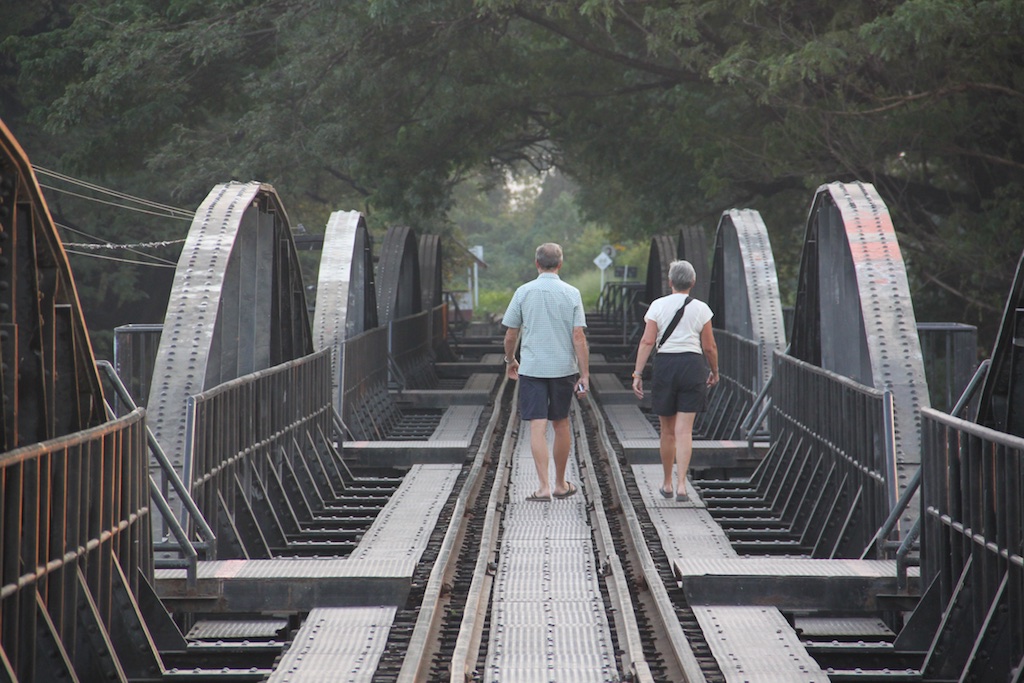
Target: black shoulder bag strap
<point x="675" y="321"/>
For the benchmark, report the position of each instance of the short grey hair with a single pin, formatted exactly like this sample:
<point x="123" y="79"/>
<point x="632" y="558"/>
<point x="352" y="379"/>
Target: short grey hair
<point x="549" y="256"/>
<point x="681" y="275"/>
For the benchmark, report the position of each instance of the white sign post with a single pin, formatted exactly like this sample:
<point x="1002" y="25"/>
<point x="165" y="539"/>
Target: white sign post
<point x="602" y="261"/>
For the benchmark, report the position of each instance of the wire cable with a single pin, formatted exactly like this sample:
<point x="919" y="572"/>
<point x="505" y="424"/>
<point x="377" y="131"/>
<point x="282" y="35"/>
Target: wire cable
<point x="164" y="209"/>
<point x="120" y="260"/>
<point x="100" y="243"/>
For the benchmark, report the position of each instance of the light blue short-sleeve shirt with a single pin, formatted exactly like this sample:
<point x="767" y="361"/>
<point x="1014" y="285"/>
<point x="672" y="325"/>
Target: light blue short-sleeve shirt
<point x="545" y="311"/>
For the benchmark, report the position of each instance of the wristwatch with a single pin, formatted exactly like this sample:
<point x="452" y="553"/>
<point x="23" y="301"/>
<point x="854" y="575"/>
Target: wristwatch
<point x="638" y="375"/>
<point x="507" y="361"/>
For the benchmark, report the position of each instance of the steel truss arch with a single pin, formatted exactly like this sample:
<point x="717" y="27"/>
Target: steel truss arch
<point x="346" y="300"/>
<point x="664" y="250"/>
<point x="49" y="384"/>
<point x="398" y="275"/>
<point x="854" y="315"/>
<point x="1001" y="406"/>
<point x="744" y="286"/>
<point x="693" y="247"/>
<point x="237" y="304"/>
<point x="431" y="272"/>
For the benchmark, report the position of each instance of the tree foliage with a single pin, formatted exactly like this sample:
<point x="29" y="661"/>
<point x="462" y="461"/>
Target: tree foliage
<point x="662" y="111"/>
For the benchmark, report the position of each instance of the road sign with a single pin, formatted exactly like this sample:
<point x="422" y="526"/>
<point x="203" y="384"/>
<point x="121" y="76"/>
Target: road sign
<point x="602" y="261"/>
<point x="609" y="250"/>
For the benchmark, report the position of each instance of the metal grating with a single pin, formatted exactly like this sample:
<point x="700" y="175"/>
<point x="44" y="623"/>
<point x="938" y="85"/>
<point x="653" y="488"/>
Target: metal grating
<point x="547" y="613"/>
<point x="756" y="644"/>
<point x="403" y="527"/>
<point x="237" y="629"/>
<point x="336" y="645"/>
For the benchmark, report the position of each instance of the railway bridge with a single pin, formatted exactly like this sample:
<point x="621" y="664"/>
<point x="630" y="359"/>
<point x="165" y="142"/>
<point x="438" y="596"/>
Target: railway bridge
<point x="268" y="489"/>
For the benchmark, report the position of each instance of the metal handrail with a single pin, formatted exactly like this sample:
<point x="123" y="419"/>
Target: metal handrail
<point x="972" y="387"/>
<point x="202" y="527"/>
<point x="878" y="542"/>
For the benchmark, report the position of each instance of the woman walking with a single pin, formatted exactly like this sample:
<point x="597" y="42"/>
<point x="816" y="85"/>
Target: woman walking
<point x="685" y="366"/>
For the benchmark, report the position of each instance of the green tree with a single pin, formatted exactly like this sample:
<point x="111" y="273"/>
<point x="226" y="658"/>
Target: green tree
<point x="662" y="112"/>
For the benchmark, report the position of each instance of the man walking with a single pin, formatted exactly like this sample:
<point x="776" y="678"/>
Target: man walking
<point x="548" y="315"/>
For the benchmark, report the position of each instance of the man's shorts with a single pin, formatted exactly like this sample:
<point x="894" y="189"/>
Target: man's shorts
<point x="679" y="383"/>
<point x="545" y="398"/>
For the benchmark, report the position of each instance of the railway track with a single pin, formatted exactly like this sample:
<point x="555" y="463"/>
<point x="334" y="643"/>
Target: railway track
<point x="449" y="629"/>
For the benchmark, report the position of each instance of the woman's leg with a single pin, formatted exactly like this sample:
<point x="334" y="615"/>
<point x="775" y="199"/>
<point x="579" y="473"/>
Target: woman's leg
<point x="684" y="447"/>
<point x="667" y="449"/>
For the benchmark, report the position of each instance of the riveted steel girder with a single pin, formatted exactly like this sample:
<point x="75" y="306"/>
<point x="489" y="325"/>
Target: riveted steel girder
<point x="398" y="275"/>
<point x="744" y="292"/>
<point x="346" y="303"/>
<point x="1002" y="397"/>
<point x="237" y="304"/>
<point x="49" y="384"/>
<point x="854" y="314"/>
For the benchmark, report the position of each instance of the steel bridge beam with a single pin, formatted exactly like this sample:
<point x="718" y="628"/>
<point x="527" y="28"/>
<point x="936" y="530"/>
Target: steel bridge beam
<point x="237" y="304"/>
<point x="49" y="385"/>
<point x="854" y="315"/>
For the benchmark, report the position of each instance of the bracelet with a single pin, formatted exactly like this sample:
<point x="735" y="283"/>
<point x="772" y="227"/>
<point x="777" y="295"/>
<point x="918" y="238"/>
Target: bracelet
<point x="638" y="375"/>
<point x="507" y="361"/>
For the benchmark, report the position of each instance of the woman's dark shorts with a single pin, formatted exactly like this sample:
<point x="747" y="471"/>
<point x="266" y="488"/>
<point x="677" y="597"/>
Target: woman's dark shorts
<point x="680" y="383"/>
<point x="545" y="398"/>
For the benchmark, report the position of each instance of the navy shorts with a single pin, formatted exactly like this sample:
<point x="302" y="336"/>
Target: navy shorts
<point x="545" y="398"/>
<point x="679" y="383"/>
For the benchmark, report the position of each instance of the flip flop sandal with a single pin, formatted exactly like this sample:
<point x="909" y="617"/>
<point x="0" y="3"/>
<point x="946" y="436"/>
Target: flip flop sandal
<point x="534" y="498"/>
<point x="571" y="491"/>
<point x="666" y="493"/>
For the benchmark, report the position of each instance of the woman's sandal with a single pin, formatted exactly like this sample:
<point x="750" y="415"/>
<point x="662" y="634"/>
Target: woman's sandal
<point x="666" y="493"/>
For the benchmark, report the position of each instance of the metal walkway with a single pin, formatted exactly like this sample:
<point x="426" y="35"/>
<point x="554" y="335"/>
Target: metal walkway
<point x="547" y="613"/>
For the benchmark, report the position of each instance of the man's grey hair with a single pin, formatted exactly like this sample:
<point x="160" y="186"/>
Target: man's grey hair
<point x="549" y="256"/>
<point x="681" y="275"/>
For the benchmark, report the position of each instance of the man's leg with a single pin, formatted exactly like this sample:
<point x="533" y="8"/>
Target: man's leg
<point x="684" y="447"/>
<point x="667" y="450"/>
<point x="539" y="448"/>
<point x="562" y="446"/>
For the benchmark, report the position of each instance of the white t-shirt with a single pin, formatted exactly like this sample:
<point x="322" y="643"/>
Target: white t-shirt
<point x="686" y="337"/>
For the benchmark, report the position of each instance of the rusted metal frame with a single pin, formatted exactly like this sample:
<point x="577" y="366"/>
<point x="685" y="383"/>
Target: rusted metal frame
<point x="49" y="387"/>
<point x="971" y="497"/>
<point x="81" y="500"/>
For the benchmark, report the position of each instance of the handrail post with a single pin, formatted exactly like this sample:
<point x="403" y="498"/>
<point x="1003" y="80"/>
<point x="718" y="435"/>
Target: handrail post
<point x="889" y="437"/>
<point x="165" y="464"/>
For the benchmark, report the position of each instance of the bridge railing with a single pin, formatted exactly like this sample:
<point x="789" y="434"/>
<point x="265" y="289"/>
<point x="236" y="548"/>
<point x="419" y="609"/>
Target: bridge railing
<point x="239" y="431"/>
<point x="367" y="410"/>
<point x="829" y="457"/>
<point x="412" y="352"/>
<point x="75" y="539"/>
<point x="972" y="504"/>
<point x="740" y="375"/>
